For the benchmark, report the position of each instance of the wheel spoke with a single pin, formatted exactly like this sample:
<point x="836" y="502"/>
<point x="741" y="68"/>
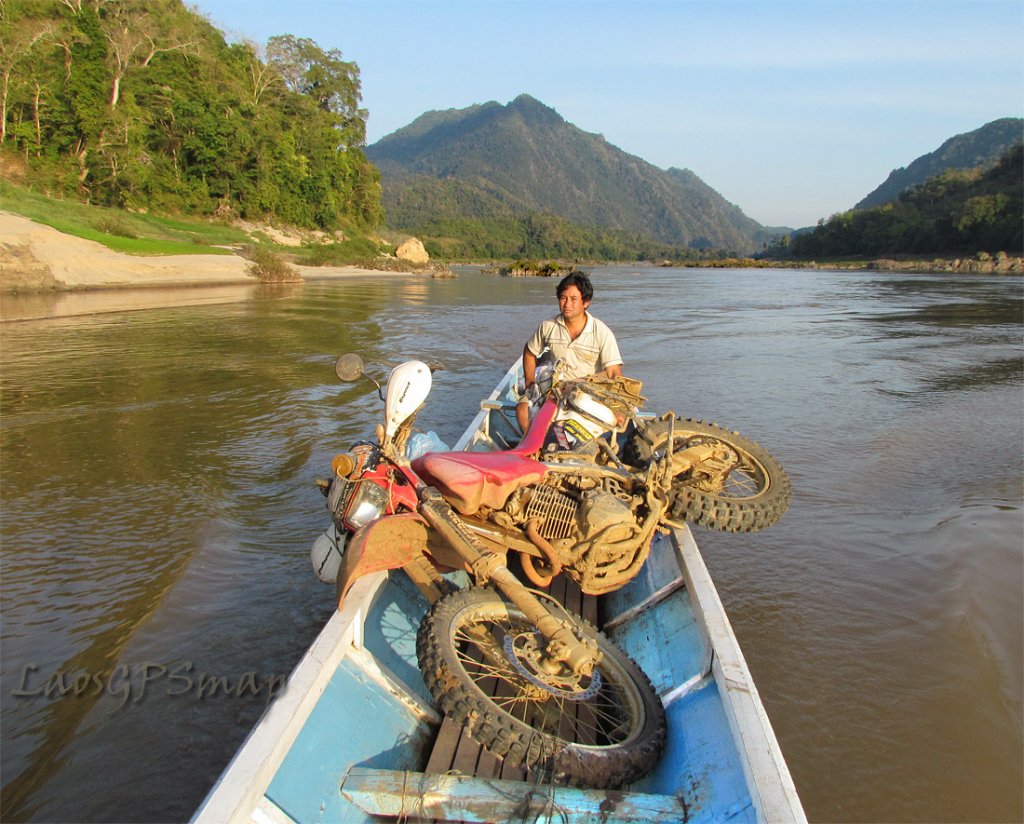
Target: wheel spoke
<point x="484" y="660"/>
<point x="742" y="483"/>
<point x="598" y="720"/>
<point x="485" y="669"/>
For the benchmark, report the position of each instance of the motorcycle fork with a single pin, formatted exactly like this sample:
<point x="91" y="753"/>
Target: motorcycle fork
<point x="426" y="578"/>
<point x="563" y="647"/>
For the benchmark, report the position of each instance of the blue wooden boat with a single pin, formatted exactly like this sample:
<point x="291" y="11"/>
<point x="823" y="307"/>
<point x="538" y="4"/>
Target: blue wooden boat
<point x="355" y="736"/>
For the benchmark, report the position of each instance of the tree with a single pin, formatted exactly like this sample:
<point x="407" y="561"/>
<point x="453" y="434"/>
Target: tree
<point x="135" y="36"/>
<point x="20" y="38"/>
<point x="262" y="73"/>
<point x="324" y="77"/>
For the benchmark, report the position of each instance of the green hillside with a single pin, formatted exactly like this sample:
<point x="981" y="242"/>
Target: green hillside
<point x="981" y="148"/>
<point x="956" y="212"/>
<point x="142" y="104"/>
<point x="490" y="167"/>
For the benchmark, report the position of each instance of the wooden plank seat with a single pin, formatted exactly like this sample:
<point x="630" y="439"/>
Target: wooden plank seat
<point x="423" y="797"/>
<point x="455" y="752"/>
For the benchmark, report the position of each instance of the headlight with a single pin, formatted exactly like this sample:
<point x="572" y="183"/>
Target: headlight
<point x="368" y="502"/>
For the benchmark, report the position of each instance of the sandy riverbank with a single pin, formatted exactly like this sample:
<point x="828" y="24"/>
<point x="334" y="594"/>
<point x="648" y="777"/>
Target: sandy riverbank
<point x="35" y="258"/>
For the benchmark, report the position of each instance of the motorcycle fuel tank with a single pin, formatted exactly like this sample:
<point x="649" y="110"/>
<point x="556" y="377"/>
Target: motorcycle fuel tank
<point x="408" y="387"/>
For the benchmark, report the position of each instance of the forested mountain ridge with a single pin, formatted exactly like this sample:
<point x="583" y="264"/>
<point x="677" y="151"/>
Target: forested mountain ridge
<point x="143" y="104"/>
<point x="489" y="166"/>
<point x="981" y="148"/>
<point x="970" y="212"/>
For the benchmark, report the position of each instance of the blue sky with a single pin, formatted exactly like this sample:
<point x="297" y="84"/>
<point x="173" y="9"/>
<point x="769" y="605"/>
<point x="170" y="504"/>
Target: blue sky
<point x="791" y="109"/>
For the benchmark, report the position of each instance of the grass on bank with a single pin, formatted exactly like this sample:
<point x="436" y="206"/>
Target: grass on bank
<point x="150" y="234"/>
<point x="119" y="229"/>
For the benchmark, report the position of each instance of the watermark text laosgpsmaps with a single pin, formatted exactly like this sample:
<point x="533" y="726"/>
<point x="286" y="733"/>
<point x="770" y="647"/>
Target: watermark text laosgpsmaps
<point x="130" y="683"/>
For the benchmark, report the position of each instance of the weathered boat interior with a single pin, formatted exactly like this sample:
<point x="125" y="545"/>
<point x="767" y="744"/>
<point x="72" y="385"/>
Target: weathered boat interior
<point x="373" y="745"/>
<point x="355" y="736"/>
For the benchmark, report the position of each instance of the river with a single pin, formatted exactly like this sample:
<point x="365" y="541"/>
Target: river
<point x="158" y="502"/>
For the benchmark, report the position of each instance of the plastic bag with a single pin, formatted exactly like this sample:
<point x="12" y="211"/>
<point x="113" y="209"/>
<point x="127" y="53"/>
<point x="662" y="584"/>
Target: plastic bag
<point x="423" y="442"/>
<point x="542" y="377"/>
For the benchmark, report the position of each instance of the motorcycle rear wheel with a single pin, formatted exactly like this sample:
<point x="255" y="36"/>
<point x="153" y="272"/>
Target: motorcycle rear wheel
<point x="602" y="733"/>
<point x="756" y="491"/>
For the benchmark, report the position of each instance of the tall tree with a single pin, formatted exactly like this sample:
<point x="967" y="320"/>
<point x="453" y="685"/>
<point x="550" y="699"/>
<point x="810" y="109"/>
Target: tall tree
<point x="136" y="31"/>
<point x="21" y="36"/>
<point x="330" y="81"/>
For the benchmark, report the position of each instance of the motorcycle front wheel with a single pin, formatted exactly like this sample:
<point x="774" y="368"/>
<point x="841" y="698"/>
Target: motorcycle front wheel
<point x="752" y="493"/>
<point x="476" y="653"/>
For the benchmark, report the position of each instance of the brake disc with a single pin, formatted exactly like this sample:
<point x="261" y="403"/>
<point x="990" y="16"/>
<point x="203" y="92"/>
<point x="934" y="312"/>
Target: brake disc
<point x="566" y="686"/>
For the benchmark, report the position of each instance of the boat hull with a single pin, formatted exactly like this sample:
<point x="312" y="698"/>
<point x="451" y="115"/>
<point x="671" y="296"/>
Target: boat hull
<point x="351" y="737"/>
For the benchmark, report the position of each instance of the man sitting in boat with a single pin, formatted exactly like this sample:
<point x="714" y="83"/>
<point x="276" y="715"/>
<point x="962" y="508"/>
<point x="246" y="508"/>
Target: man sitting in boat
<point x="583" y="344"/>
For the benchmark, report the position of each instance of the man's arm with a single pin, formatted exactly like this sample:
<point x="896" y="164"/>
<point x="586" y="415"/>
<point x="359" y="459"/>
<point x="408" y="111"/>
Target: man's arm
<point x="609" y="353"/>
<point x="529" y="365"/>
<point x="529" y="375"/>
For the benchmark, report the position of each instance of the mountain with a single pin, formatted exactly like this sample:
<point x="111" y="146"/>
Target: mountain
<point x="981" y="148"/>
<point x="970" y="212"/>
<point x="491" y="165"/>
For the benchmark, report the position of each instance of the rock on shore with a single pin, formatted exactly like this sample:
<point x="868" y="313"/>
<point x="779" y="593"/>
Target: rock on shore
<point x="413" y="251"/>
<point x="983" y="263"/>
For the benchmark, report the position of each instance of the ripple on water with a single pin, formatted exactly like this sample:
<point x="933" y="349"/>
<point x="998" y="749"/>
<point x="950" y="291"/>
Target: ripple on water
<point x="158" y="502"/>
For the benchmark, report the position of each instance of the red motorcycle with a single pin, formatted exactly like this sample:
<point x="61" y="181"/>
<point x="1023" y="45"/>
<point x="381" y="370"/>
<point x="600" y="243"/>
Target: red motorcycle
<point x="582" y="493"/>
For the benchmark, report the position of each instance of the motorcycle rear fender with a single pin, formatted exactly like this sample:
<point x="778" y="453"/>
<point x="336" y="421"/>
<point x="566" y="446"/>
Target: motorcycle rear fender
<point x="386" y="543"/>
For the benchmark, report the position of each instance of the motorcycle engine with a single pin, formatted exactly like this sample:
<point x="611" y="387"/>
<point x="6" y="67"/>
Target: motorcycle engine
<point x="600" y="510"/>
<point x="591" y="522"/>
<point x="568" y="511"/>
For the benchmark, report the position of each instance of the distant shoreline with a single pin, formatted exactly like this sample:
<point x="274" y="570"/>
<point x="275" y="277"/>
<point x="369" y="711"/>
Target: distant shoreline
<point x="36" y="259"/>
<point x="983" y="264"/>
<point x="1000" y="264"/>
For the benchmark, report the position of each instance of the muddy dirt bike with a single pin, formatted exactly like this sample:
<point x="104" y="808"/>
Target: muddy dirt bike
<point x="582" y="493"/>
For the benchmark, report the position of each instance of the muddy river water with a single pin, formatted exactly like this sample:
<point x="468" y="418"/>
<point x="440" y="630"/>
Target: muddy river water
<point x="157" y="504"/>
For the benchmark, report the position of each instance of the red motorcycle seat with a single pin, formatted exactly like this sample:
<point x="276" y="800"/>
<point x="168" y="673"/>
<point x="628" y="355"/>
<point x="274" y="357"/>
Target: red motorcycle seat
<point x="469" y="480"/>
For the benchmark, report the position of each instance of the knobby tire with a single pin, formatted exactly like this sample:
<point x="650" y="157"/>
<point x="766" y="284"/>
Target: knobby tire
<point x="758" y="492"/>
<point x="607" y="740"/>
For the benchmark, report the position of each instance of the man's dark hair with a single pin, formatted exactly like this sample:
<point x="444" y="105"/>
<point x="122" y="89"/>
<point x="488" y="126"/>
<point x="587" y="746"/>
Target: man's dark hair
<point x="581" y="281"/>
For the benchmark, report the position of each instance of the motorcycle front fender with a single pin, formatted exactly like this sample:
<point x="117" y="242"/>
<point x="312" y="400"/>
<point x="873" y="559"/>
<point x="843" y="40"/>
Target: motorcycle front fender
<point x="386" y="543"/>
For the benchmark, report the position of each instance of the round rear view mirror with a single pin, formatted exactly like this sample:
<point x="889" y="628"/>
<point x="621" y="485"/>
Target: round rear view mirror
<point x="349" y="367"/>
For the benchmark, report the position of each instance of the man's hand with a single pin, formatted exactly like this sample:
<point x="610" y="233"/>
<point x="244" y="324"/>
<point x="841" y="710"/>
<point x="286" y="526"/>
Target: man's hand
<point x="531" y="394"/>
